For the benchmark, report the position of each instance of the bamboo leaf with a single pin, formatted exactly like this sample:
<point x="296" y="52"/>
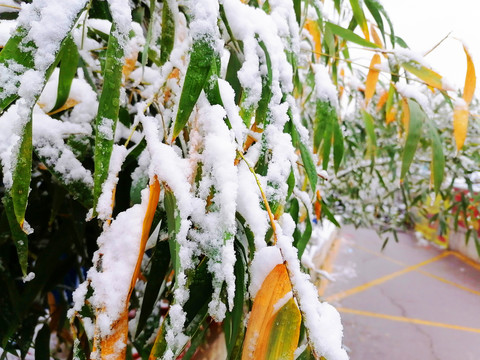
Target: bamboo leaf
<point x="460" y="124"/>
<point x="417" y="117"/>
<point x="425" y="74"/>
<point x="173" y="223"/>
<point x="148" y="39"/>
<point x="360" y="17"/>
<point x="68" y="70"/>
<point x="390" y="111"/>
<point x="274" y="288"/>
<point x="371" y="137"/>
<point x="107" y="116"/>
<point x="470" y="79"/>
<point x="285" y="332"/>
<point x="262" y="109"/>
<point x="309" y="166"/>
<point x="338" y="146"/>
<point x="197" y="74"/>
<point x="19" y="236"/>
<point x="314" y="29"/>
<point x="438" y="158"/>
<point x="168" y="32"/>
<point x="372" y="78"/>
<point x="349" y="35"/>
<point x="376" y="9"/>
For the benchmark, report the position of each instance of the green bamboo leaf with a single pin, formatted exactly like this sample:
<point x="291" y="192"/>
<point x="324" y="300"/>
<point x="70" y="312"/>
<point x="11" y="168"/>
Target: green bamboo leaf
<point x="375" y="7"/>
<point x="158" y="270"/>
<point x="148" y="39"/>
<point x="168" y="32"/>
<point x="417" y="117"/>
<point x="307" y="354"/>
<point x="438" y="158"/>
<point x="42" y="343"/>
<point x="338" y="146"/>
<point x="360" y="17"/>
<point x="107" y="116"/>
<point x="324" y="111"/>
<point x="197" y="74"/>
<point x="326" y="212"/>
<point x="425" y="74"/>
<point x="327" y="141"/>
<point x="262" y="109"/>
<point x="19" y="237"/>
<point x="173" y="224"/>
<point x="305" y="238"/>
<point x="68" y="70"/>
<point x="372" y="6"/>
<point x="309" y="166"/>
<point x="285" y="332"/>
<point x="297" y="8"/>
<point x="349" y="35"/>
<point x="371" y="137"/>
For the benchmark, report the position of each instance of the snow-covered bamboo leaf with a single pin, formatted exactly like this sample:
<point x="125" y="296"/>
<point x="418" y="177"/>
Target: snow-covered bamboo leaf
<point x="303" y="240"/>
<point x="417" y="117"/>
<point x="197" y="74"/>
<point x="173" y="223"/>
<point x="285" y="332"/>
<point x="460" y="123"/>
<point x="309" y="165"/>
<point x="372" y="78"/>
<point x="273" y="294"/>
<point x="168" y="32"/>
<point x="262" y="109"/>
<point x="470" y="78"/>
<point x="359" y="16"/>
<point x="349" y="35"/>
<point x="68" y="70"/>
<point x="158" y="271"/>
<point x="428" y="76"/>
<point x="438" y="158"/>
<point x="107" y="116"/>
<point x="19" y="236"/>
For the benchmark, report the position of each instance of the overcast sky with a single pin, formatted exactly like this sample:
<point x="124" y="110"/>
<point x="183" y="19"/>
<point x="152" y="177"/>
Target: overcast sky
<point x="423" y="23"/>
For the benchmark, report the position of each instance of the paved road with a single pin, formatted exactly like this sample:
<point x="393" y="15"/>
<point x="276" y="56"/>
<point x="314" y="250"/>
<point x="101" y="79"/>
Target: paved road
<point x="408" y="302"/>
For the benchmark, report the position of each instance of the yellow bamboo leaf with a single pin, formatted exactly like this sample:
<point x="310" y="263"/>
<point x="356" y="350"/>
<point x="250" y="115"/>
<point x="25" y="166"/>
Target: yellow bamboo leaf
<point x="460" y="124"/>
<point x="114" y="346"/>
<point x="275" y="288"/>
<point x="470" y="79"/>
<point x="390" y="109"/>
<point x="68" y="104"/>
<point x="428" y="76"/>
<point x="376" y="38"/>
<point x="314" y="30"/>
<point x="372" y="78"/>
<point x="382" y="100"/>
<point x="129" y="65"/>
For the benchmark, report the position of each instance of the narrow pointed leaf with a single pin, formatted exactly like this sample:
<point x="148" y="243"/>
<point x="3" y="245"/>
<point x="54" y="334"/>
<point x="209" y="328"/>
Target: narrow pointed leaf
<point x="371" y="137"/>
<point x="417" y="117"/>
<point x="197" y="74"/>
<point x="285" y="332"/>
<point x="338" y="146"/>
<point x="107" y="116"/>
<point x="438" y="158"/>
<point x="372" y="78"/>
<point x="425" y="74"/>
<point x="314" y="30"/>
<point x="168" y="32"/>
<point x="68" y="70"/>
<point x="19" y="237"/>
<point x="148" y="39"/>
<point x="309" y="166"/>
<point x="470" y="79"/>
<point x="349" y="35"/>
<point x="360" y="17"/>
<point x="460" y="124"/>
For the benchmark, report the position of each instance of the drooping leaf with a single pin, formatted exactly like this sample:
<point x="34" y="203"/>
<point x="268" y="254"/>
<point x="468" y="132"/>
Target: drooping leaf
<point x="148" y="39"/>
<point x="195" y="78"/>
<point x="425" y="74"/>
<point x="19" y="236"/>
<point x="107" y="116"/>
<point x="349" y="35"/>
<point x="338" y="145"/>
<point x="314" y="30"/>
<point x="274" y="291"/>
<point x="371" y="137"/>
<point x="460" y="124"/>
<point x="68" y="70"/>
<point x="438" y="158"/>
<point x="168" y="32"/>
<point x="470" y="78"/>
<point x="372" y="78"/>
<point x="262" y="109"/>
<point x="417" y="118"/>
<point x="360" y="17"/>
<point x="309" y="166"/>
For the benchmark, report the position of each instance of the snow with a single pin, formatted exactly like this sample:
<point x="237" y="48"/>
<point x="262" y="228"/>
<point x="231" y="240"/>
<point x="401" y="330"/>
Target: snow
<point x="6" y="28"/>
<point x="29" y="277"/>
<point x="263" y="263"/>
<point x="324" y="88"/>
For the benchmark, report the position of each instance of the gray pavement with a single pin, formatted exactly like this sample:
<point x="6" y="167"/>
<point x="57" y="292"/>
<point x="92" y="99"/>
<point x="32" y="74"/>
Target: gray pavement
<point x="410" y="301"/>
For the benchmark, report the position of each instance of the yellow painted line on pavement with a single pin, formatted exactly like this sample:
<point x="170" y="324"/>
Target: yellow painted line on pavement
<point x="426" y="273"/>
<point x="368" y="285"/>
<point x="407" y="320"/>
<point x="466" y="260"/>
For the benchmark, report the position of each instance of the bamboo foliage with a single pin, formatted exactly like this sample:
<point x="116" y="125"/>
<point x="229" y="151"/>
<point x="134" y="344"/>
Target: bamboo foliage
<point x="164" y="147"/>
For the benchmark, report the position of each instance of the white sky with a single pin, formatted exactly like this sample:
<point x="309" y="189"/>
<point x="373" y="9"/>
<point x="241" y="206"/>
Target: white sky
<point x="423" y="23"/>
